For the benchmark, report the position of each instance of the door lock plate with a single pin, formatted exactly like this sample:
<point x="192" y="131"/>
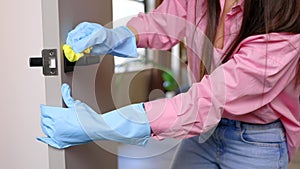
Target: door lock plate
<point x="49" y="62"/>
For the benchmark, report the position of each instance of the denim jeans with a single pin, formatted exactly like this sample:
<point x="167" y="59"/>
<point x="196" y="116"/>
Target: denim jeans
<point x="235" y="145"/>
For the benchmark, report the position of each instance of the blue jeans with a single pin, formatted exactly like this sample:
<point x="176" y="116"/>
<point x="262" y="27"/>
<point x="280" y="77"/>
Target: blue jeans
<point x="235" y="145"/>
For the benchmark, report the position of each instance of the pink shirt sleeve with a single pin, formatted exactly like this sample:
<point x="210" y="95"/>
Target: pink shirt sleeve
<point x="248" y="81"/>
<point x="163" y="27"/>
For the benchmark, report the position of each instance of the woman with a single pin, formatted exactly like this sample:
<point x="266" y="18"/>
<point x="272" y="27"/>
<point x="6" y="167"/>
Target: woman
<point x="246" y="84"/>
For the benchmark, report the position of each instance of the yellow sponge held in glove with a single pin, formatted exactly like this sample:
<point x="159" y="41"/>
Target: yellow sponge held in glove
<point x="71" y="55"/>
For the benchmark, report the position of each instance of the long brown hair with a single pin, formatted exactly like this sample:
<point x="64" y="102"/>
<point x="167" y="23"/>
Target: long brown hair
<point x="259" y="17"/>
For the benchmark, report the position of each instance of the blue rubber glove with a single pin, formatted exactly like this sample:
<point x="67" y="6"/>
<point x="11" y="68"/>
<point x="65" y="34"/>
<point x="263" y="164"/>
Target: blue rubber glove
<point x="79" y="124"/>
<point x="119" y="41"/>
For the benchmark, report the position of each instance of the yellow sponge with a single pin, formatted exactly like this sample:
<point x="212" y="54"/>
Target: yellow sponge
<point x="71" y="55"/>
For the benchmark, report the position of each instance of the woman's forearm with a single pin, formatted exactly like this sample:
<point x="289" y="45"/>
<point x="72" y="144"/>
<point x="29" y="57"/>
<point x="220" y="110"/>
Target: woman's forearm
<point x="134" y="31"/>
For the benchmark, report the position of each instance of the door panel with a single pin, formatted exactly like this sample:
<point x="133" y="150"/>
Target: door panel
<point x="59" y="17"/>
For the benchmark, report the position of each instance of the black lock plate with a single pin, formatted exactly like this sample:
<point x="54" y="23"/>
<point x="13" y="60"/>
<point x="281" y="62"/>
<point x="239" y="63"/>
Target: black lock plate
<point x="49" y="62"/>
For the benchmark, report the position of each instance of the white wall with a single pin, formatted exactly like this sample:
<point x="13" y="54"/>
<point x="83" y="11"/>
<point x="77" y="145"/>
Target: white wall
<point x="21" y="88"/>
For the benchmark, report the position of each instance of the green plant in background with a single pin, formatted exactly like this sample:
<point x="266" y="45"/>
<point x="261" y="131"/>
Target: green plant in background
<point x="169" y="83"/>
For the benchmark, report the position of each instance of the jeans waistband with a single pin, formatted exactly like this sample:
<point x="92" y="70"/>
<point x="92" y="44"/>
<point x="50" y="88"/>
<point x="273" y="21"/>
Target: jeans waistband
<point x="240" y="124"/>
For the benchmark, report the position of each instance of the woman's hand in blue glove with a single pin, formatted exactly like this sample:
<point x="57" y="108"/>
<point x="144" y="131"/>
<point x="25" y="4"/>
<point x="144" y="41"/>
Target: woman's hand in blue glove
<point x="119" y="41"/>
<point x="61" y="125"/>
<point x="79" y="124"/>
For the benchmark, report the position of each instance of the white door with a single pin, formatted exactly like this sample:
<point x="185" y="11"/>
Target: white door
<point x="58" y="18"/>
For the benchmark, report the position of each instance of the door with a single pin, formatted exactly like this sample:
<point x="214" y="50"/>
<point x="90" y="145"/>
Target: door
<point x="58" y="18"/>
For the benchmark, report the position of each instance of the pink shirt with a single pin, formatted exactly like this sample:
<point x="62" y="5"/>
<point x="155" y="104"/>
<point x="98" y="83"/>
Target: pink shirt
<point x="257" y="85"/>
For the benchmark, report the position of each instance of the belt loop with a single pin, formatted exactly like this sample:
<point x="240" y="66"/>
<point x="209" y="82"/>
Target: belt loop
<point x="238" y="124"/>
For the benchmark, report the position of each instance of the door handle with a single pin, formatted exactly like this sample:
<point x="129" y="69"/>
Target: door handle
<point x="48" y="61"/>
<point x="83" y="61"/>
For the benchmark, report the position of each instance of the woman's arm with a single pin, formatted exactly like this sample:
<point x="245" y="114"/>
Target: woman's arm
<point x="134" y="31"/>
<point x="163" y="27"/>
<point x="247" y="82"/>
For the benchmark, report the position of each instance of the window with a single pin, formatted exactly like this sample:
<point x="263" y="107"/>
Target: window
<point x="123" y="11"/>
